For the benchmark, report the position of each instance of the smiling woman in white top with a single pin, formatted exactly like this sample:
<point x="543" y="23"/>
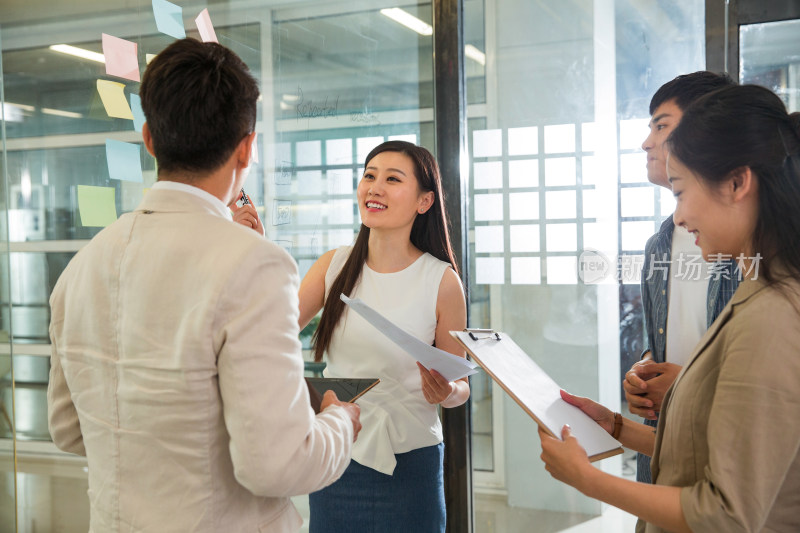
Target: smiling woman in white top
<point x="403" y="266"/>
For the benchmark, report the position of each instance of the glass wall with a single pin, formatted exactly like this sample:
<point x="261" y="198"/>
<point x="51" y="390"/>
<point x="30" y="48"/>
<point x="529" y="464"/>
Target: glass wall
<point x="558" y="96"/>
<point x="769" y="55"/>
<point x="336" y="80"/>
<point x="557" y="170"/>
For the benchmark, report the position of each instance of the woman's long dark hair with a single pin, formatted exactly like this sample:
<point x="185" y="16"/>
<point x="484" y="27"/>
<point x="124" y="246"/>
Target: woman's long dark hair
<point x="748" y="126"/>
<point x="429" y="233"/>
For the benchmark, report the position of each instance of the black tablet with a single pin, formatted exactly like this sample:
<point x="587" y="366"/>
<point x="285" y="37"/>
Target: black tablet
<point x="346" y="389"/>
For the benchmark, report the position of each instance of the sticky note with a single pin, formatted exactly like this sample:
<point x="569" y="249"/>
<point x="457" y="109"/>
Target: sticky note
<point x="124" y="162"/>
<point x="97" y="205"/>
<point x="138" y="113"/>
<point x="112" y="94"/>
<point x="204" y="26"/>
<point x="121" y="58"/>
<point x="169" y="18"/>
<point x="149" y="57"/>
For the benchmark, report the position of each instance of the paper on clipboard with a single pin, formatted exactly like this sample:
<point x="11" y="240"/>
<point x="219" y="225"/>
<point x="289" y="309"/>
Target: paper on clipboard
<point x="536" y="392"/>
<point x="448" y="365"/>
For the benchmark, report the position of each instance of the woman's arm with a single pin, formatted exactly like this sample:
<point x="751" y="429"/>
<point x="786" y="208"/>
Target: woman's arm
<point x="451" y="314"/>
<point x="312" y="289"/>
<point x="656" y="504"/>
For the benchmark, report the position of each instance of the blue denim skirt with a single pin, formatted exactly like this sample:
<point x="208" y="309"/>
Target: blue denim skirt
<point x="364" y="500"/>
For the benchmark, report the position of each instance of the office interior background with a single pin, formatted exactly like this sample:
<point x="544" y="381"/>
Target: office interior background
<point x="536" y="110"/>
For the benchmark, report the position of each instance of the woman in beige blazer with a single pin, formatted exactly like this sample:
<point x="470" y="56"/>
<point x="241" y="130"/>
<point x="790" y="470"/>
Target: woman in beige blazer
<point x="725" y="453"/>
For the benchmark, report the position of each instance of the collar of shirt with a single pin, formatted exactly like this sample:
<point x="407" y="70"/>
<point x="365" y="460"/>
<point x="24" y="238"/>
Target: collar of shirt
<point x="215" y="202"/>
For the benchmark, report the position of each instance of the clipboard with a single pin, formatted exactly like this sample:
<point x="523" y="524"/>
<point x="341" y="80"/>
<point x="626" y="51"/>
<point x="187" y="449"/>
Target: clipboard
<point x="346" y="389"/>
<point x="534" y="390"/>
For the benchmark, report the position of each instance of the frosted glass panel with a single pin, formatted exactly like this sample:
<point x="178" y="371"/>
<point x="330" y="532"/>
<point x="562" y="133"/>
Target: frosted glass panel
<point x="590" y="207"/>
<point x="488" y="175"/>
<point x="632" y="133"/>
<point x="364" y="146"/>
<point x="309" y="243"/>
<point x="523" y="141"/>
<point x="309" y="182"/>
<point x="633" y="168"/>
<point x="562" y="271"/>
<point x="487" y="143"/>
<point x="588" y="137"/>
<point x="489" y="239"/>
<point x="303" y="266"/>
<point x="559" y="138"/>
<point x="340" y="237"/>
<point x="559" y="171"/>
<point x="559" y="204"/>
<point x="283" y="154"/>
<point x="524" y="238"/>
<point x="340" y="212"/>
<point x="523" y="173"/>
<point x="489" y="270"/>
<point x="590" y="170"/>
<point x="595" y="238"/>
<point x="309" y="213"/>
<point x="488" y="207"/>
<point x="410" y="137"/>
<point x="523" y="205"/>
<point x="526" y="271"/>
<point x="309" y="153"/>
<point x="561" y="237"/>
<point x="768" y="55"/>
<point x="637" y="202"/>
<point x="340" y="181"/>
<point x="339" y="151"/>
<point x="668" y="203"/>
<point x="635" y="234"/>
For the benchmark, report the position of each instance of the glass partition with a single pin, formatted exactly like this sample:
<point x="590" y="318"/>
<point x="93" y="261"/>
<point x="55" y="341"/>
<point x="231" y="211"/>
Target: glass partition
<point x="336" y="80"/>
<point x="769" y="55"/>
<point x="558" y="97"/>
<point x="557" y="171"/>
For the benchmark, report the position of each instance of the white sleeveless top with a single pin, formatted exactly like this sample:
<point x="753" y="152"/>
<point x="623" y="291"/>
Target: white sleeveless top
<point x="395" y="416"/>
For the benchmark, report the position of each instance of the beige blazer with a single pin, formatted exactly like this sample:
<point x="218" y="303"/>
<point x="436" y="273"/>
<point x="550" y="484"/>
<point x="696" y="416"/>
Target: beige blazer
<point x="729" y="430"/>
<point x="176" y="370"/>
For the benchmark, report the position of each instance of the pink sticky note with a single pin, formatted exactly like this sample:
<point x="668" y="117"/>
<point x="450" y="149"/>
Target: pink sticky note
<point x="121" y="58"/>
<point x="205" y="27"/>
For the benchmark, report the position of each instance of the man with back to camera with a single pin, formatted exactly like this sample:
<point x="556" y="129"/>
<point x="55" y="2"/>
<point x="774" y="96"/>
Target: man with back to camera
<point x="681" y="294"/>
<point x="176" y="365"/>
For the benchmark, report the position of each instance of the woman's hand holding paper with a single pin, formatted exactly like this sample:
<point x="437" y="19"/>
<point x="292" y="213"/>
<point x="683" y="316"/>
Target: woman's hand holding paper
<point x="435" y="387"/>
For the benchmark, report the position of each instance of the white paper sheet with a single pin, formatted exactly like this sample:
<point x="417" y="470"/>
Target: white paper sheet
<point x="448" y="365"/>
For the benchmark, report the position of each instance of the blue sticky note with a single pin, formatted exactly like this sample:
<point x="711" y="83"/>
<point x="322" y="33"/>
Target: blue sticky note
<point x="138" y="114"/>
<point x="169" y="18"/>
<point x="124" y="161"/>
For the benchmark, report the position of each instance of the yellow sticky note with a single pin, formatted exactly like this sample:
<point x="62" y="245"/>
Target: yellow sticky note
<point x="97" y="205"/>
<point x="149" y="57"/>
<point x="113" y="95"/>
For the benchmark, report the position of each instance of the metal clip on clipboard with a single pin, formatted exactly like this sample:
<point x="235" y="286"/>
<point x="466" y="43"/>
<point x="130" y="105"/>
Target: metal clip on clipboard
<point x="491" y="334"/>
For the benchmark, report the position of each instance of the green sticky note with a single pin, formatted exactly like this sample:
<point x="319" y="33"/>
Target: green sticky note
<point x="97" y="205"/>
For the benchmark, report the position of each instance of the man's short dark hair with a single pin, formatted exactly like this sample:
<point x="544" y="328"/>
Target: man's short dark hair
<point x="200" y="102"/>
<point x="687" y="88"/>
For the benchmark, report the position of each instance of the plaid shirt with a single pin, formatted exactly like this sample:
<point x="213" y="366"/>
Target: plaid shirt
<point x="655" y="301"/>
